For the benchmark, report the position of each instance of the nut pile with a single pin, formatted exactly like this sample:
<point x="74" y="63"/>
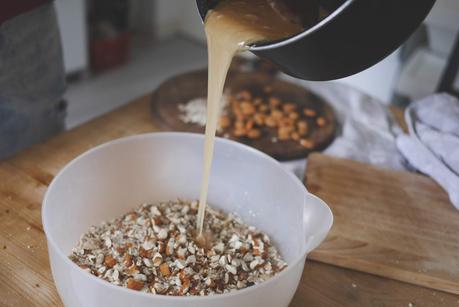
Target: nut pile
<point x="153" y="249"/>
<point x="248" y="115"/>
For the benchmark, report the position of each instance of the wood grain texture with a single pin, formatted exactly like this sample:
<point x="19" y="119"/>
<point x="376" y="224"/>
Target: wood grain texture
<point x="325" y="285"/>
<point x="394" y="224"/>
<point x="25" y="277"/>
<point x="183" y="88"/>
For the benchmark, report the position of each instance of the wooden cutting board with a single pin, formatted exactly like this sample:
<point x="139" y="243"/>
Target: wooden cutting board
<point x="185" y="87"/>
<point x="394" y="224"/>
<point x="25" y="275"/>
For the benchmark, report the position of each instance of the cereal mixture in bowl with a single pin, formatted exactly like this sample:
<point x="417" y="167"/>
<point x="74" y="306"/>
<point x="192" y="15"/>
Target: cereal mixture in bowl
<point x="153" y="249"/>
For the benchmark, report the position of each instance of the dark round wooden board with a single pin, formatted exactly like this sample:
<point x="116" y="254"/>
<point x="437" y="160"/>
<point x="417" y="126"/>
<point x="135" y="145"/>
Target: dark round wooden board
<point x="181" y="89"/>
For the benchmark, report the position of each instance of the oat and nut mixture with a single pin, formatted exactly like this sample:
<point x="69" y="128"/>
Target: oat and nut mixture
<point x="153" y="249"/>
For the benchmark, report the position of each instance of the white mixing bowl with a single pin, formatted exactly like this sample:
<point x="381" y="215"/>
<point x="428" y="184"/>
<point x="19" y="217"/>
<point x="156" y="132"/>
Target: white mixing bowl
<point x="116" y="177"/>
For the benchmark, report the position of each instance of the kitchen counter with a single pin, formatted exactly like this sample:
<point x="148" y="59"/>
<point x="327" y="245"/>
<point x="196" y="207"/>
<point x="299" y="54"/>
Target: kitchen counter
<point x="25" y="277"/>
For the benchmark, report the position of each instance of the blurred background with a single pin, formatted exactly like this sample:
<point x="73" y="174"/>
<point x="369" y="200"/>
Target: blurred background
<point x="118" y="50"/>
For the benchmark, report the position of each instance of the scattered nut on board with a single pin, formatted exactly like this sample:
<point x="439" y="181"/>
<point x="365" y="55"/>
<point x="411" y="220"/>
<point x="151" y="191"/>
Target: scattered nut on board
<point x="246" y="115"/>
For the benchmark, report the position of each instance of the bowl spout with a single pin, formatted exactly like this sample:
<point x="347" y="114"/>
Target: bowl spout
<point x="318" y="220"/>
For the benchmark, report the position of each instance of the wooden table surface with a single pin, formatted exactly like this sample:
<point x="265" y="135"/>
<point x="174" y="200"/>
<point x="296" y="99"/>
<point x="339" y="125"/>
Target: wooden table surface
<point x="25" y="277"/>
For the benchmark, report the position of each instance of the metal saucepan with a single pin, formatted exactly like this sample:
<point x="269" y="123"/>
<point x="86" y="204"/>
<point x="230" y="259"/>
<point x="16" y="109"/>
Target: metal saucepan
<point x="356" y="35"/>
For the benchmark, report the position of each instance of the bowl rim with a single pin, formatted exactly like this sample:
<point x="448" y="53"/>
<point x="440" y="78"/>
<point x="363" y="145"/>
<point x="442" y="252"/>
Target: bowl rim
<point x="176" y="135"/>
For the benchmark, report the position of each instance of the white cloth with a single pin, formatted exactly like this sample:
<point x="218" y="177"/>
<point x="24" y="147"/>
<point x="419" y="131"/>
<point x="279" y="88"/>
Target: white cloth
<point x="369" y="134"/>
<point x="432" y="146"/>
<point x="368" y="131"/>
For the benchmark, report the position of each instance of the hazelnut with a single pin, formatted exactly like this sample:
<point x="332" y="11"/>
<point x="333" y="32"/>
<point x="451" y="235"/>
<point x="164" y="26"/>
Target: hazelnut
<point x="144" y="253"/>
<point x="288" y="107"/>
<point x="285" y="129"/>
<point x="295" y="136"/>
<point x="157" y="259"/>
<point x="109" y="261"/>
<point x="270" y="122"/>
<point x="293" y="115"/>
<point x="283" y="134"/>
<point x="164" y="268"/>
<point x="309" y="112"/>
<point x="133" y="269"/>
<point x="259" y="119"/>
<point x="276" y="114"/>
<point x="161" y="247"/>
<point x="225" y="122"/>
<point x="249" y="124"/>
<point x="302" y="127"/>
<point x="263" y="108"/>
<point x="247" y="108"/>
<point x="290" y="121"/>
<point x="235" y="105"/>
<point x="273" y="102"/>
<point x="321" y="121"/>
<point x="120" y="250"/>
<point x="239" y="116"/>
<point x="157" y="220"/>
<point x="128" y="260"/>
<point x="254" y="133"/>
<point x="134" y="284"/>
<point x="307" y="143"/>
<point x="239" y="125"/>
<point x="257" y="101"/>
